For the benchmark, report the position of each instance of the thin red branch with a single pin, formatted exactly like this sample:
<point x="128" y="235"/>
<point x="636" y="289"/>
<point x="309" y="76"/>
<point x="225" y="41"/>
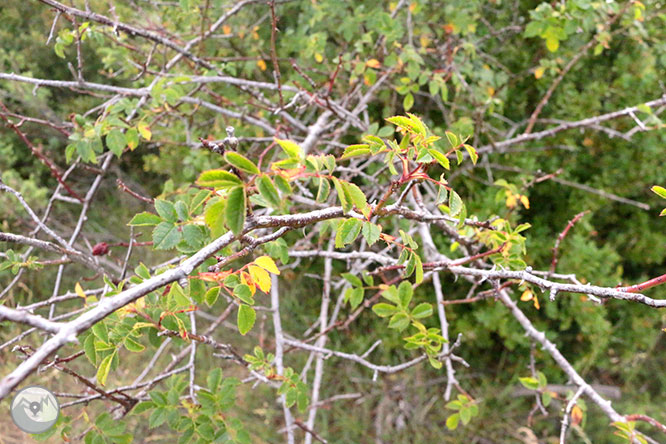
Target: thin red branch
<point x="561" y="237"/>
<point x="466" y="260"/>
<point x="644" y="285"/>
<point x="126" y="189"/>
<point x="38" y="153"/>
<point x="331" y="80"/>
<point x="653" y="422"/>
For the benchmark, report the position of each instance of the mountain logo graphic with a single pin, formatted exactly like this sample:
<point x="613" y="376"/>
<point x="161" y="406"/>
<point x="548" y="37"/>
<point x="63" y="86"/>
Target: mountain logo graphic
<point x="35" y="409"/>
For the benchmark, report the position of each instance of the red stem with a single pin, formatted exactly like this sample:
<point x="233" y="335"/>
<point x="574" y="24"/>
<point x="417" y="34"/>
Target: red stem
<point x="653" y="422"/>
<point x="561" y="237"/>
<point x="644" y="285"/>
<point x="127" y="189"/>
<point x="37" y="152"/>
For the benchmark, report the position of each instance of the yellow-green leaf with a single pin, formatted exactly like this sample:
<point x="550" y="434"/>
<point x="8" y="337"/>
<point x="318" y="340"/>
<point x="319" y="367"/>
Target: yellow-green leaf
<point x="144" y="130"/>
<point x="218" y="179"/>
<point x="355" y="150"/>
<point x="552" y="44"/>
<point x="660" y="191"/>
<point x="440" y="158"/>
<point x="133" y="346"/>
<point x="357" y="198"/>
<point x="241" y="162"/>
<point x="343" y="195"/>
<point x="472" y="153"/>
<point x="104" y="368"/>
<point x="291" y="149"/>
<point x="347" y="232"/>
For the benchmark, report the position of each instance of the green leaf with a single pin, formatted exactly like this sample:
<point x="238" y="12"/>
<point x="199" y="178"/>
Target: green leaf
<point x="645" y="108"/>
<point x="440" y="158"/>
<point x="347" y="232"/>
<point x="145" y="219"/>
<point x="101" y="332"/>
<point x="371" y="232"/>
<point x="323" y="190"/>
<point x="246" y="318"/>
<point x="343" y="195"/>
<point x="465" y="415"/>
<point x="133" y="346"/>
<point x="552" y="44"/>
<point x="459" y="157"/>
<point x="181" y="210"/>
<point x="157" y="418"/>
<point x="104" y="368"/>
<point x="399" y="321"/>
<point x="116" y="142"/>
<point x="283" y="184"/>
<point x="418" y="124"/>
<point x="219" y="179"/>
<point x="418" y="269"/>
<point x="166" y="210"/>
<point x="355" y="150"/>
<point x="194" y="236"/>
<point x="244" y="293"/>
<point x="408" y="101"/>
<point x="84" y="149"/>
<point x="142" y="407"/>
<point x="290" y="148"/>
<point x="357" y="198"/>
<point x="529" y="383"/>
<point x="214" y="218"/>
<point x="402" y="122"/>
<point x="214" y="379"/>
<point x="423" y="310"/>
<point x="453" y="139"/>
<point x="452" y="421"/>
<point x="356" y="296"/>
<point x="178" y="296"/>
<point x="455" y="203"/>
<point x="472" y="153"/>
<point x="198" y="200"/>
<point x="453" y="405"/>
<point x="241" y="162"/>
<point x="235" y="211"/>
<point x="385" y="131"/>
<point x="166" y="236"/>
<point x="268" y="191"/>
<point x="434" y="362"/>
<point x="522" y="227"/>
<point x="405" y="293"/>
<point x="211" y="296"/>
<point x="89" y="349"/>
<point x="354" y="280"/>
<point x="132" y="138"/>
<point x="384" y="310"/>
<point x="196" y="290"/>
